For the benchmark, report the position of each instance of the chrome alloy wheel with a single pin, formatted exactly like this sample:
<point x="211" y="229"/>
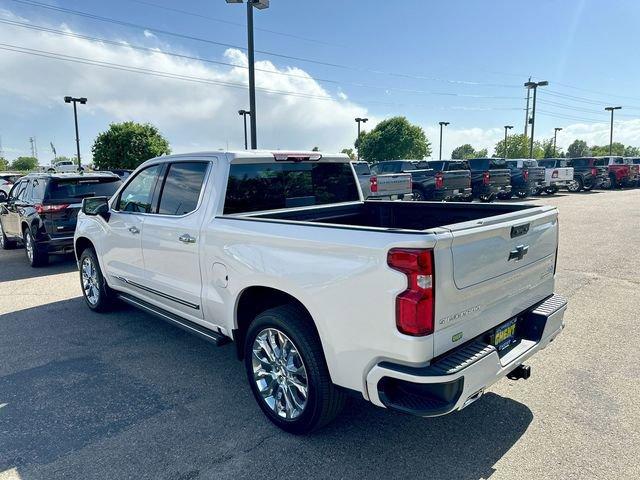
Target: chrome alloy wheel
<point x="90" y="281"/>
<point x="279" y="373"/>
<point x="28" y="245"/>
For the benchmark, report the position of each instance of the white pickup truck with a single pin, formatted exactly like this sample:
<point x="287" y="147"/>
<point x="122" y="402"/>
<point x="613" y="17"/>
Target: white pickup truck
<point x="414" y="306"/>
<point x="557" y="174"/>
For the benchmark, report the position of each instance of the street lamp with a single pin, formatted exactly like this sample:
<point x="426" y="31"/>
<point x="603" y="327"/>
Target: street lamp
<point x="442" y="124"/>
<point x="82" y="101"/>
<point x="534" y="86"/>
<point x="244" y="114"/>
<point x="359" y="121"/>
<point x="555" y="137"/>
<point x="261" y="5"/>
<point x="611" y="109"/>
<point x="506" y="151"/>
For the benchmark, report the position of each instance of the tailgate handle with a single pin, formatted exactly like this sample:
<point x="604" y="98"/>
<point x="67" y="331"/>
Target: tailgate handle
<point x="519" y="230"/>
<point x="519" y="253"/>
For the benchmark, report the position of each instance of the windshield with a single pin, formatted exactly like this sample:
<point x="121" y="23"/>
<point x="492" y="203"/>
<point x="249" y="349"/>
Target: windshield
<point x="269" y="186"/>
<point x="74" y="190"/>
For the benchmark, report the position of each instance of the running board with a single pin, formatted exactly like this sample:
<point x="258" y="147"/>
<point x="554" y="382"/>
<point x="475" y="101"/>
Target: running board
<point x="216" y="338"/>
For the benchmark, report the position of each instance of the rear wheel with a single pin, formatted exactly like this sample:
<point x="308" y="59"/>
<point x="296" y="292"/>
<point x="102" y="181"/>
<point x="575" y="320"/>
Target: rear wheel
<point x="287" y="371"/>
<point x="551" y="190"/>
<point x="3" y="196"/>
<point x="97" y="294"/>
<point x="418" y="196"/>
<point x="522" y="193"/>
<point x="576" y="185"/>
<point x="36" y="253"/>
<point x="486" y="198"/>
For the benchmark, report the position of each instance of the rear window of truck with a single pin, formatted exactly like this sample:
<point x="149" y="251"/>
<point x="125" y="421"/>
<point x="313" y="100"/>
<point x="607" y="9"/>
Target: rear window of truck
<point x="75" y="189"/>
<point x="270" y="186"/>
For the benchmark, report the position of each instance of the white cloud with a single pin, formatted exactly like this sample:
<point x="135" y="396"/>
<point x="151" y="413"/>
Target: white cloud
<point x="149" y="34"/>
<point x="192" y="115"/>
<point x="478" y="137"/>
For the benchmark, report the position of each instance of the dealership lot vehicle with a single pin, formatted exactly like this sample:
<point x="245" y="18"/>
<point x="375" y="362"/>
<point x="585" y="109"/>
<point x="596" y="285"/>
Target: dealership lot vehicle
<point x="272" y="250"/>
<point x="41" y="209"/>
<point x="62" y="166"/>
<point x="389" y="185"/>
<point x="454" y="168"/>
<point x="622" y="172"/>
<point x="490" y="178"/>
<point x="527" y="178"/>
<point x="557" y="174"/>
<point x="7" y="179"/>
<point x="429" y="184"/>
<point x="588" y="173"/>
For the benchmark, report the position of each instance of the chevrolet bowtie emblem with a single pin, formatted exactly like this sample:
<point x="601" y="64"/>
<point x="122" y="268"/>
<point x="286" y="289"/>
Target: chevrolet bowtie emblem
<point x="519" y="253"/>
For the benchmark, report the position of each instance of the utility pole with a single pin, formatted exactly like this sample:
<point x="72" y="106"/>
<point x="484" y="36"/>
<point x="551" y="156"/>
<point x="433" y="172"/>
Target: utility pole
<point x="34" y="147"/>
<point x="506" y="150"/>
<point x="82" y="101"/>
<point x="442" y="124"/>
<point x="526" y="116"/>
<point x="534" y="86"/>
<point x="244" y="114"/>
<point x="611" y="109"/>
<point x="358" y="121"/>
<point x="555" y="137"/>
<point x="261" y="5"/>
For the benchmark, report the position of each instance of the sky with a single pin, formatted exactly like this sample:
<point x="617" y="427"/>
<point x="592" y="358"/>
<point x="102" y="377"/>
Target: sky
<point x="182" y="66"/>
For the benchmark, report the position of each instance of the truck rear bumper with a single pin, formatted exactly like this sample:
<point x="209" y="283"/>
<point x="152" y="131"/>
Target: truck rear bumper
<point x="460" y="377"/>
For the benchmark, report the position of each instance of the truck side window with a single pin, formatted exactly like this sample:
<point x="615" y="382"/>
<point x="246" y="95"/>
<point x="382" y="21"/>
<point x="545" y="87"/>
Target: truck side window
<point x="138" y="194"/>
<point x="181" y="190"/>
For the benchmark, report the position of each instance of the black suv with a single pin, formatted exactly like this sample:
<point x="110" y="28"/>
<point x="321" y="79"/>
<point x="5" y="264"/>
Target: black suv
<point x="42" y="209"/>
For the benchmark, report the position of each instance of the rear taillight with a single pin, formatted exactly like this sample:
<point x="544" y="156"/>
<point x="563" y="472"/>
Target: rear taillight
<point x="439" y="180"/>
<point x="415" y="306"/>
<point x="373" y="181"/>
<point x="50" y="208"/>
<point x="594" y="172"/>
<point x="554" y="174"/>
<point x="486" y="176"/>
<point x="525" y="175"/>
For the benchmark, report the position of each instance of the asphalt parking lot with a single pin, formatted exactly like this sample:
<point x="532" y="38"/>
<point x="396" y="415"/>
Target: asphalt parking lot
<point x="125" y="395"/>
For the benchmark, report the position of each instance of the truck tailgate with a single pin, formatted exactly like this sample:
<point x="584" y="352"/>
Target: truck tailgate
<point x="456" y="179"/>
<point x="393" y="184"/>
<point x="500" y="177"/>
<point x="495" y="248"/>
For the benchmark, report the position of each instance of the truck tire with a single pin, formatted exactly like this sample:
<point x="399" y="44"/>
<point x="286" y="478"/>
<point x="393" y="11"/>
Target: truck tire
<point x="487" y="198"/>
<point x="576" y="186"/>
<point x="37" y="256"/>
<point x="3" y="196"/>
<point x="613" y="182"/>
<point x="522" y="193"/>
<point x="287" y="371"/>
<point x="95" y="291"/>
<point x="418" y="195"/>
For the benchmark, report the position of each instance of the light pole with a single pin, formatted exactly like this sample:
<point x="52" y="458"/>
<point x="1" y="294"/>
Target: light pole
<point x="611" y="109"/>
<point x="261" y="5"/>
<point x="555" y="137"/>
<point x="244" y="114"/>
<point x="506" y="150"/>
<point x="535" y="86"/>
<point x="82" y="101"/>
<point x="442" y="124"/>
<point x="359" y="121"/>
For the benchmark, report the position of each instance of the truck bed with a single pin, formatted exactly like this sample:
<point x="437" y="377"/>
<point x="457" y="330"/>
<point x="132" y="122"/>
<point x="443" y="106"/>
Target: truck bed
<point x="395" y="215"/>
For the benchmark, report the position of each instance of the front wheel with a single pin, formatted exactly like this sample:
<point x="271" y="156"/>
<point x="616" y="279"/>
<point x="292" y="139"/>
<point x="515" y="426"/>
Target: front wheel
<point x="3" y="196"/>
<point x="287" y="371"/>
<point x="97" y="294"/>
<point x="418" y="196"/>
<point x="576" y="185"/>
<point x="551" y="190"/>
<point x="5" y="243"/>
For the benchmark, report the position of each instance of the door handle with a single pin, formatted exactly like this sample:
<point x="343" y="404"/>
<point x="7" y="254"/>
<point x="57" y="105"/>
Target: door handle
<point x="134" y="230"/>
<point x="186" y="238"/>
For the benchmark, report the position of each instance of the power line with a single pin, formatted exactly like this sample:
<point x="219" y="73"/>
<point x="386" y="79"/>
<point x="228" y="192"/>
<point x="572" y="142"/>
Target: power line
<point x="235" y="65"/>
<point x="33" y="3"/>
<point x="235" y="24"/>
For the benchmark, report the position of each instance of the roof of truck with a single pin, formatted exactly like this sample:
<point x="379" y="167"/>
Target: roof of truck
<point x="253" y="155"/>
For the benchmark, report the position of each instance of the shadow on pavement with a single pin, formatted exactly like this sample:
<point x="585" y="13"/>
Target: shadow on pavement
<point x="14" y="266"/>
<point x="124" y="395"/>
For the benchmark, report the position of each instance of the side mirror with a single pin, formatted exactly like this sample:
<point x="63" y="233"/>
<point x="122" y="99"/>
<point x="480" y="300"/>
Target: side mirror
<point x="94" y="206"/>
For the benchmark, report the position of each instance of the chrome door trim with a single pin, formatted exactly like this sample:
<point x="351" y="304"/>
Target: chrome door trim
<point x="160" y="294"/>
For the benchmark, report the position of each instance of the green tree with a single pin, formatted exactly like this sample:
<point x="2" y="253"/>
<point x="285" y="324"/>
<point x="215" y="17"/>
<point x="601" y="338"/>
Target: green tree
<point x="577" y="149"/>
<point x="349" y="152"/>
<point x="24" y="164"/>
<point x="549" y="152"/>
<point x="4" y="164"/>
<point x="466" y="151"/>
<point x="603" y="150"/>
<point x="393" y="139"/>
<point x="62" y="158"/>
<point x="315" y="149"/>
<point x="518" y="147"/>
<point x="630" y="151"/>
<point x="127" y="145"/>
